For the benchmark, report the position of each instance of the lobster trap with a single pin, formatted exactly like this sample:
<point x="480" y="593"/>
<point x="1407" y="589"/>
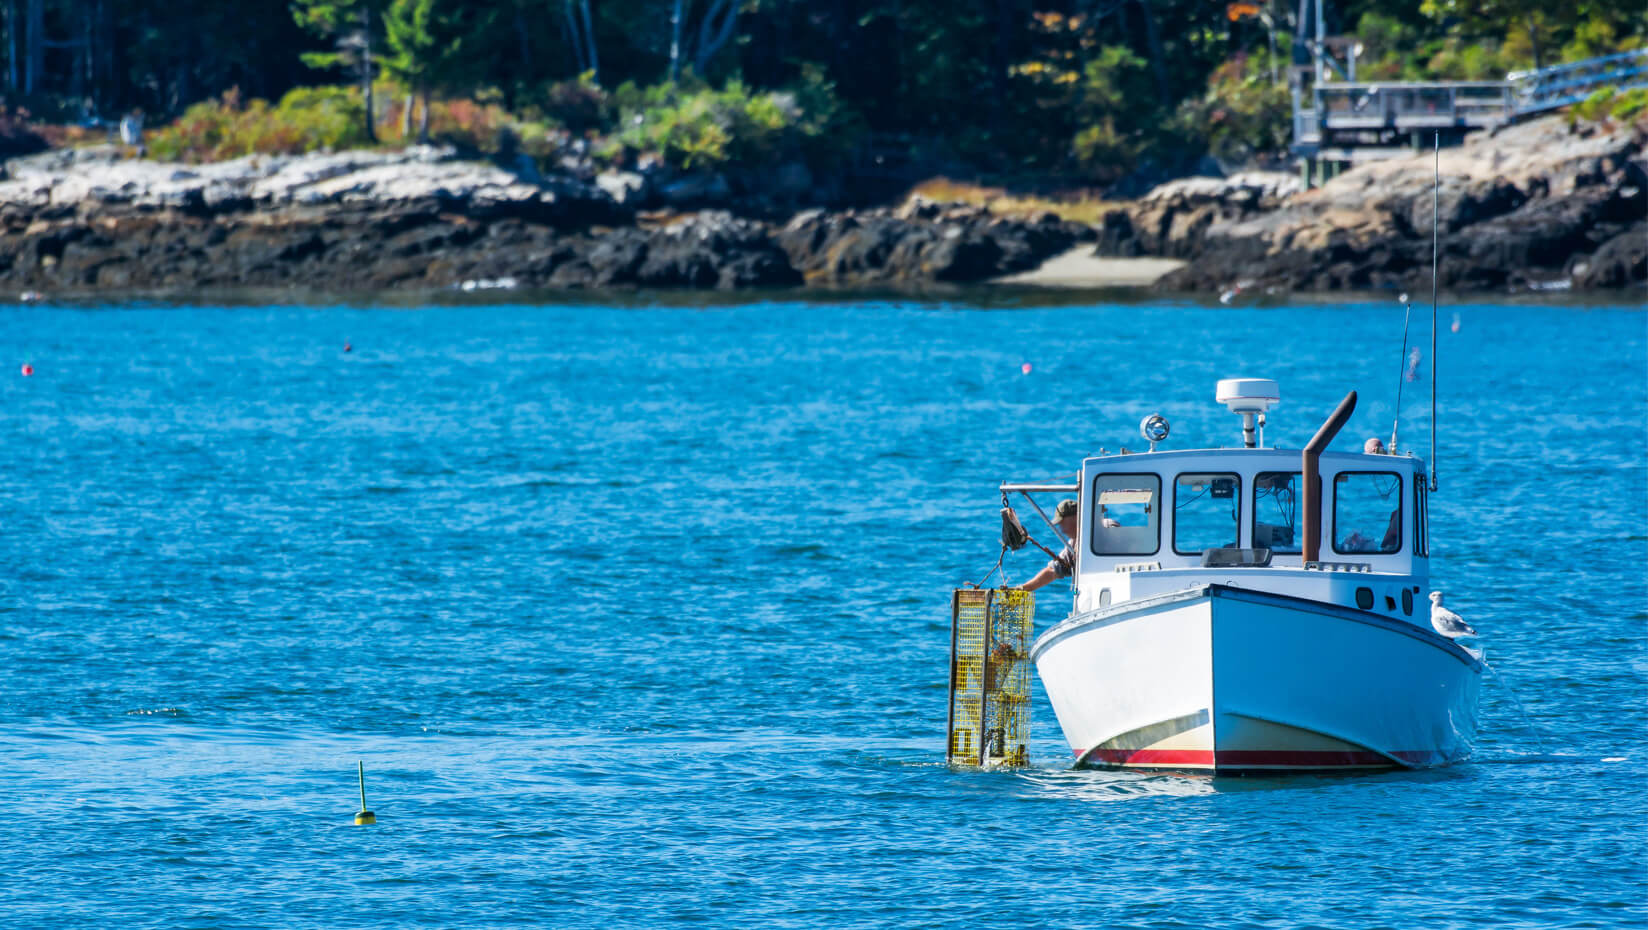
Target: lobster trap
<point x="990" y="677"/>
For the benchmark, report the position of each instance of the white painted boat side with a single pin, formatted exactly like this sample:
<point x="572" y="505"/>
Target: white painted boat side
<point x="1217" y="678"/>
<point x="1143" y="676"/>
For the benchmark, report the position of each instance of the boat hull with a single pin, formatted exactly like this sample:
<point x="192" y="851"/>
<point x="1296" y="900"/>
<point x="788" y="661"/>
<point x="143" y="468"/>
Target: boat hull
<point x="1223" y="680"/>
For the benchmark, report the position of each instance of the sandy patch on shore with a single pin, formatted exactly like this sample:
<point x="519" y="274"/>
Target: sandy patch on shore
<point x="1079" y="267"/>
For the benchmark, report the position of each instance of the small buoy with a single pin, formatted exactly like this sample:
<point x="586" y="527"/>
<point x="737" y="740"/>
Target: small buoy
<point x="1025" y="368"/>
<point x="1455" y="326"/>
<point x="27" y="369"/>
<point x="365" y="816"/>
<point x="348" y="348"/>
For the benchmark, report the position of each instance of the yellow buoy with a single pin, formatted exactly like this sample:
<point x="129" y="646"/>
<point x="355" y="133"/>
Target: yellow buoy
<point x="365" y="816"/>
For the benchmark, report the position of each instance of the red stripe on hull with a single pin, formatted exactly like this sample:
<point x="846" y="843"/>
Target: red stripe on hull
<point x="1253" y="758"/>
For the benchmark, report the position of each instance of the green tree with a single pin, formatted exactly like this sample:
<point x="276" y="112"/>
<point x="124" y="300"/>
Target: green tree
<point x="437" y="46"/>
<point x="1529" y="24"/>
<point x="350" y="25"/>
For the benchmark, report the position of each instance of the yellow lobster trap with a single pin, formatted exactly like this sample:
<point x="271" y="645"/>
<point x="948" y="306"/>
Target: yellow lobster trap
<point x="990" y="677"/>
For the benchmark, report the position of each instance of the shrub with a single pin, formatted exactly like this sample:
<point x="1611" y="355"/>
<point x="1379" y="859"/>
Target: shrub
<point x="1608" y="103"/>
<point x="1387" y="44"/>
<point x="1631" y="104"/>
<point x="470" y="125"/>
<point x="1595" y="107"/>
<point x="1104" y="153"/>
<point x="578" y="106"/>
<point x="1454" y="60"/>
<point x="307" y="119"/>
<point x="694" y="126"/>
<point x="1116" y="128"/>
<point x="1242" y="113"/>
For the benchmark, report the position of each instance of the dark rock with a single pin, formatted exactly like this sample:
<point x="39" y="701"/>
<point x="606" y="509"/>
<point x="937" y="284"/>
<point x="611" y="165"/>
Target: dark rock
<point x="1621" y="262"/>
<point x="618" y="256"/>
<point x="1543" y="234"/>
<point x="969" y="256"/>
<point x="1116" y="236"/>
<point x="921" y="241"/>
<point x="1461" y="203"/>
<point x="696" y="190"/>
<point x="703" y="251"/>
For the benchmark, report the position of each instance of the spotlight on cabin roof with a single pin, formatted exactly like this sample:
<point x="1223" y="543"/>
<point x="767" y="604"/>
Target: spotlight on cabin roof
<point x="1154" y="428"/>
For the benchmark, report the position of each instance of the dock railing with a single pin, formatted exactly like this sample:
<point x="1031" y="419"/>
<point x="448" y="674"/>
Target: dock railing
<point x="1413" y="105"/>
<point x="1561" y="85"/>
<point x="1364" y="114"/>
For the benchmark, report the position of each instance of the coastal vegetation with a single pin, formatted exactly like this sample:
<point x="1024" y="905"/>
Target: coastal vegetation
<point x="1088" y="92"/>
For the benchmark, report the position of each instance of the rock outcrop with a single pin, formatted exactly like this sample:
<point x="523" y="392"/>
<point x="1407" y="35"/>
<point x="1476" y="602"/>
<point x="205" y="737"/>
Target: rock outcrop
<point x="91" y="220"/>
<point x="98" y="181"/>
<point x="922" y="241"/>
<point x="705" y="250"/>
<point x="1172" y="220"/>
<point x="1532" y="206"/>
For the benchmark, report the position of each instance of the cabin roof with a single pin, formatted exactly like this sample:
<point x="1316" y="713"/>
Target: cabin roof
<point x="1338" y="461"/>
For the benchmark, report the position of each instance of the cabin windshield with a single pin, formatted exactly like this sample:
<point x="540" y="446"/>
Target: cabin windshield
<point x="1367" y="512"/>
<point x="1206" y="511"/>
<point x="1276" y="510"/>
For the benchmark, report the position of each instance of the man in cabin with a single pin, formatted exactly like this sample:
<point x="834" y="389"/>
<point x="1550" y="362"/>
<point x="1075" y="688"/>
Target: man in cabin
<point x="1063" y="564"/>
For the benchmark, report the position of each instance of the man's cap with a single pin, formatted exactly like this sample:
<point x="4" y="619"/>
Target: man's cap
<point x="1066" y="508"/>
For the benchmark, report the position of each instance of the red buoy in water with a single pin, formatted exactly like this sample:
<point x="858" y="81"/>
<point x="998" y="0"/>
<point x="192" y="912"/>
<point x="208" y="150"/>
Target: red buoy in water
<point x="348" y="348"/>
<point x="1025" y="368"/>
<point x="27" y="369"/>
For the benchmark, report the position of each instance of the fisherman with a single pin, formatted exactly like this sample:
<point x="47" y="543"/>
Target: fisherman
<point x="1063" y="565"/>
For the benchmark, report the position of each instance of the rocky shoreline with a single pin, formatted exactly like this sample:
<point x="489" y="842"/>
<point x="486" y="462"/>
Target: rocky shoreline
<point x="1534" y="207"/>
<point x="1538" y="206"/>
<point x="90" y="221"/>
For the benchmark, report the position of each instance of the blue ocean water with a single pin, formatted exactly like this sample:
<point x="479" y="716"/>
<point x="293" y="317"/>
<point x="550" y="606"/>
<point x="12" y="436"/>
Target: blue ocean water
<point x="637" y="615"/>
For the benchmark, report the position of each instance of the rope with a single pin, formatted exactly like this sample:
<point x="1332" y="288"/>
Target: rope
<point x="980" y="583"/>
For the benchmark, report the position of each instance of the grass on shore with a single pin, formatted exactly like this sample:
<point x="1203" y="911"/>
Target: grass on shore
<point x="1082" y="207"/>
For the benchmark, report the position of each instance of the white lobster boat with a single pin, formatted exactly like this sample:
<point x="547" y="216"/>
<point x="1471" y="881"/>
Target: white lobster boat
<point x="1209" y="634"/>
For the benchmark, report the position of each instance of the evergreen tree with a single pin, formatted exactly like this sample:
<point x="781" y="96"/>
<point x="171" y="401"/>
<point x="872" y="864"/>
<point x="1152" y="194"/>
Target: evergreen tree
<point x="437" y="46"/>
<point x="352" y="27"/>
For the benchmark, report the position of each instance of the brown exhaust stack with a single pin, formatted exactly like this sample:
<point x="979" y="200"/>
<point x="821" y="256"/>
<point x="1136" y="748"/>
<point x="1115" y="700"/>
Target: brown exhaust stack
<point x="1313" y="477"/>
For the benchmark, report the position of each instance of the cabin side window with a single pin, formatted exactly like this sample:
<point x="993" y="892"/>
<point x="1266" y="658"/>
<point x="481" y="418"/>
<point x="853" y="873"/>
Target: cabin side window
<point x="1421" y="518"/>
<point x="1126" y="515"/>
<point x="1206" y="512"/>
<point x="1276" y="510"/>
<point x="1367" y="512"/>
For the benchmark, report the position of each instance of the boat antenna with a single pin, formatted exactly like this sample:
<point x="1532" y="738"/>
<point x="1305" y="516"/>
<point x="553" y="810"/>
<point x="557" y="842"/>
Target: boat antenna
<point x="1402" y="369"/>
<point x="1436" y="187"/>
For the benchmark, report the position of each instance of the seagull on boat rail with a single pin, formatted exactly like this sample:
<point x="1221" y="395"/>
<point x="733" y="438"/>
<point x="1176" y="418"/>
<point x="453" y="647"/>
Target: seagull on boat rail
<point x="1446" y="622"/>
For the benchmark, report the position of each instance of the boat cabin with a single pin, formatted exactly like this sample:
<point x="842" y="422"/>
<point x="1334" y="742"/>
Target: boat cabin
<point x="1161" y="521"/>
<point x="1155" y="522"/>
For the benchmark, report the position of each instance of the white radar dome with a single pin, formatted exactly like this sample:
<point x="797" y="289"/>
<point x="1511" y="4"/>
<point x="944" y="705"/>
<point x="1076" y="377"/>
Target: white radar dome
<point x="1248" y="395"/>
